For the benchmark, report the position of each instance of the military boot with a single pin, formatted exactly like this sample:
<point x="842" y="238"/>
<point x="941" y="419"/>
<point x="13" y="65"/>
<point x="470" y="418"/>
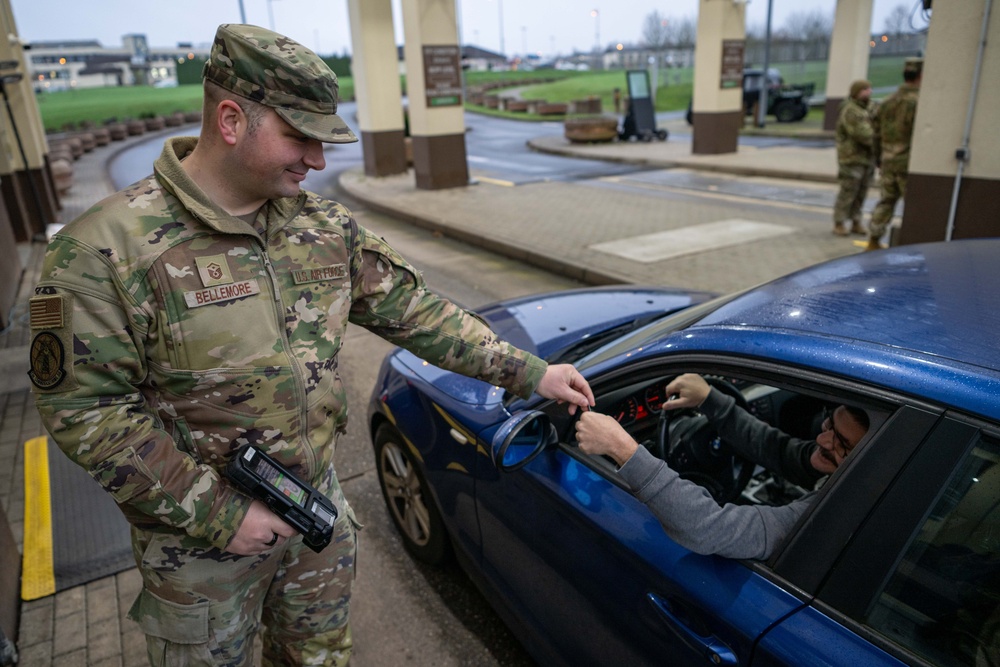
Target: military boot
<point x="874" y="244"/>
<point x="840" y="228"/>
<point x="858" y="228"/>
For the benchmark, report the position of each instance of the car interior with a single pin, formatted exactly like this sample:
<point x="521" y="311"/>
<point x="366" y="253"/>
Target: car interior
<point x="689" y="444"/>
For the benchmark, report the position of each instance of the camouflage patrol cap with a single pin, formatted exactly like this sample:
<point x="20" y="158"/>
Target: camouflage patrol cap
<point x="278" y="72"/>
<point x="913" y="66"/>
<point x="858" y="86"/>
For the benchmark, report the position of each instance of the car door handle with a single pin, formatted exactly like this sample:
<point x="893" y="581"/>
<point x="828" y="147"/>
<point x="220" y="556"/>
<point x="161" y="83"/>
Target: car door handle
<point x="461" y="439"/>
<point x="714" y="651"/>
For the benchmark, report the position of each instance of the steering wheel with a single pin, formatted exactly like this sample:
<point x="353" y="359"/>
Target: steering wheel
<point x="690" y="444"/>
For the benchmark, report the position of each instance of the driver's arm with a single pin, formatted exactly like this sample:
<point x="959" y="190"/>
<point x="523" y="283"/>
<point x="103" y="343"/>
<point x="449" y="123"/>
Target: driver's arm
<point x="759" y="442"/>
<point x="693" y="519"/>
<point x="687" y="512"/>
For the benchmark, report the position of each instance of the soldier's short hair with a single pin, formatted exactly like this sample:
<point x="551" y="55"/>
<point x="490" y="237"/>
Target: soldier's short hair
<point x="214" y="93"/>
<point x="271" y="69"/>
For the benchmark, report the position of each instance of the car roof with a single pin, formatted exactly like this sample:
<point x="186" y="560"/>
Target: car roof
<point x="922" y="320"/>
<point x="940" y="300"/>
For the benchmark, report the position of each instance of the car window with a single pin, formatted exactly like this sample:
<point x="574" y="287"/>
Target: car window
<point x="942" y="601"/>
<point x="692" y="446"/>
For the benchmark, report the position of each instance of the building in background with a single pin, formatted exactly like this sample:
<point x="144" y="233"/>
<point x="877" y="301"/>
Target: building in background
<point x="66" y="65"/>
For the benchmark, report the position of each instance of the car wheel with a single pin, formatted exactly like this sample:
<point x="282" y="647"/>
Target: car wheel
<point x="408" y="499"/>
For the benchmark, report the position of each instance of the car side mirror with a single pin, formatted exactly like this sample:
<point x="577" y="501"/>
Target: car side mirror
<point x="520" y="439"/>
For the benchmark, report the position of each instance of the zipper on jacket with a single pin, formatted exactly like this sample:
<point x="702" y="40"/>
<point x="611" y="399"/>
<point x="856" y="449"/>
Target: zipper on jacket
<point x="300" y="383"/>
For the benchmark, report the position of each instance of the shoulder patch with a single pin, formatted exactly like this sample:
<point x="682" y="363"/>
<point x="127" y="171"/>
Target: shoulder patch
<point x="48" y="361"/>
<point x="46" y="312"/>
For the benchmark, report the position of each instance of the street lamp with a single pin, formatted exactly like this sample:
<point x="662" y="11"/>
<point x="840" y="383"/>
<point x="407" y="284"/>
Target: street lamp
<point x="597" y="29"/>
<point x="243" y="14"/>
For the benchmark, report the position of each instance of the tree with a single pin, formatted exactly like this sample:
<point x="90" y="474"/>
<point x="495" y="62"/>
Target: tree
<point x="686" y="30"/>
<point x="655" y="31"/>
<point x="812" y="29"/>
<point x="655" y="34"/>
<point x="898" y="21"/>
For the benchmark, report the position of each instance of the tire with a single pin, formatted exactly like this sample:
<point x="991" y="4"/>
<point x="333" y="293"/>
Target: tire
<point x="786" y="112"/>
<point x="408" y="499"/>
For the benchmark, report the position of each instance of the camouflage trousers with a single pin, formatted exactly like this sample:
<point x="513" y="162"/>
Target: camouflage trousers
<point x="202" y="606"/>
<point x="893" y="189"/>
<point x="854" y="181"/>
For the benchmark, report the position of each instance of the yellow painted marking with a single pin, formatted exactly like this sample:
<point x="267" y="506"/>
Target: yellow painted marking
<point x="495" y="181"/>
<point x="38" y="577"/>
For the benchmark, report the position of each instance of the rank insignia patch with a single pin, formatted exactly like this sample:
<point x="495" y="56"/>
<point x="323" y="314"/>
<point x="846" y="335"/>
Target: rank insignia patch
<point x="214" y="270"/>
<point x="48" y="360"/>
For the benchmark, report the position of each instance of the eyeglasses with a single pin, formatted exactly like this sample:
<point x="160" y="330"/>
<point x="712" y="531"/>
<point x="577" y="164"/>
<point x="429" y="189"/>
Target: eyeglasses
<point x="840" y="443"/>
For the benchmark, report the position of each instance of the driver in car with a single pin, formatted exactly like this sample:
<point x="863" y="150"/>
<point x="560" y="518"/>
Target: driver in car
<point x="689" y="514"/>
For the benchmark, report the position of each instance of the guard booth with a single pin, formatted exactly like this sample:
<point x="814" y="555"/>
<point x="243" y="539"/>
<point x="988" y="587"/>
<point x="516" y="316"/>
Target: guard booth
<point x="640" y="117"/>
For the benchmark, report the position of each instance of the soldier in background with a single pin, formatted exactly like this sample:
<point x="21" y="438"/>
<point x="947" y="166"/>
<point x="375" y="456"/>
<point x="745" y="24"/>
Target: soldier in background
<point x="893" y="123"/>
<point x="855" y="158"/>
<point x="201" y="309"/>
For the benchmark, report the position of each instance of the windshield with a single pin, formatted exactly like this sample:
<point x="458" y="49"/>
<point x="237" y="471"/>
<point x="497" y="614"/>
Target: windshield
<point x="655" y="332"/>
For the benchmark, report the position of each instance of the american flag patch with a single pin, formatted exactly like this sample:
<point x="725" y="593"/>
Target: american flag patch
<point x="46" y="312"/>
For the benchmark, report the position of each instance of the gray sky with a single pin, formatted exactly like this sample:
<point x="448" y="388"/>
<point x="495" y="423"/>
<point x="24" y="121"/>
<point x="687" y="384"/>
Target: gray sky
<point x="544" y="26"/>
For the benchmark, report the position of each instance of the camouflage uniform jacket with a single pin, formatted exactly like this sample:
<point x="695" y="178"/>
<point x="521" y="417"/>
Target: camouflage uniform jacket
<point x="166" y="334"/>
<point x="855" y="136"/>
<point x="893" y="122"/>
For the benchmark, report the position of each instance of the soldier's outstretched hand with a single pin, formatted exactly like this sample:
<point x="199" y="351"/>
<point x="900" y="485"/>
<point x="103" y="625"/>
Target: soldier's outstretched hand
<point x="565" y="384"/>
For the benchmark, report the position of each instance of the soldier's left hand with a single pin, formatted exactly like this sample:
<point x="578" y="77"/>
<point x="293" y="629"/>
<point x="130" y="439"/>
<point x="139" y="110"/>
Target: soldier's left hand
<point x="565" y="384"/>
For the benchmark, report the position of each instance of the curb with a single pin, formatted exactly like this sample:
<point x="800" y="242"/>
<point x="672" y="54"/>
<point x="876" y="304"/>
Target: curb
<point x="697" y="166"/>
<point x="348" y="181"/>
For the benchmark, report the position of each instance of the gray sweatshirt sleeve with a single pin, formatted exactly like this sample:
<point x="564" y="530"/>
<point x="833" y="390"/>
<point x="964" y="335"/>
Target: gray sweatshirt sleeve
<point x="761" y="443"/>
<point x="693" y="519"/>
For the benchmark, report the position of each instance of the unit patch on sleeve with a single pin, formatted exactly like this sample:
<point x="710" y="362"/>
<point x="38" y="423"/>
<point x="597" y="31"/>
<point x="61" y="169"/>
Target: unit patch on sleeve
<point x="48" y="361"/>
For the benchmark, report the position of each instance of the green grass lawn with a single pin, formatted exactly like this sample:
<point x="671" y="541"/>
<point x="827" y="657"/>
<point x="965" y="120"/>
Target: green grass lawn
<point x="676" y="85"/>
<point x="100" y="104"/>
<point x="673" y="93"/>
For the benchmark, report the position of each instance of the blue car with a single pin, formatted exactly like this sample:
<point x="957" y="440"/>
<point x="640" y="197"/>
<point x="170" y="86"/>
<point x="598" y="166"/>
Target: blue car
<point x="895" y="562"/>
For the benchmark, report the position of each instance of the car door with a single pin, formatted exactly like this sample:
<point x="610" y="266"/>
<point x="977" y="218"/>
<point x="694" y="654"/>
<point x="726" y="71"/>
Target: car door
<point x="594" y="579"/>
<point x="919" y="583"/>
<point x="591" y="577"/>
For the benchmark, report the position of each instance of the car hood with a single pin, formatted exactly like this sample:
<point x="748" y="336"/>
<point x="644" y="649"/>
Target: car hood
<point x="561" y="327"/>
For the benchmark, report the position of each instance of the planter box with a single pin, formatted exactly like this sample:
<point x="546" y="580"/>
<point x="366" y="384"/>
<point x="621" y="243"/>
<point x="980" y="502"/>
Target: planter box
<point x="591" y="130"/>
<point x="552" y="109"/>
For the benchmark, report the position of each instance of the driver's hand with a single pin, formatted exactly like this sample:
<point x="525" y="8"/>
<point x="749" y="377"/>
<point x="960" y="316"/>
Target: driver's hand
<point x="598" y="434"/>
<point x="686" y="391"/>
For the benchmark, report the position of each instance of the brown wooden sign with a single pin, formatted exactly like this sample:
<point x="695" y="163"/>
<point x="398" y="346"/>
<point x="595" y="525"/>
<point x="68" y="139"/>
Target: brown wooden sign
<point x="442" y="75"/>
<point x="732" y="63"/>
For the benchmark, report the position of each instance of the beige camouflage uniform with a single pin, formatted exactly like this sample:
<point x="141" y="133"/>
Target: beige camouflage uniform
<point x="167" y="334"/>
<point x="855" y="160"/>
<point x="893" y="124"/>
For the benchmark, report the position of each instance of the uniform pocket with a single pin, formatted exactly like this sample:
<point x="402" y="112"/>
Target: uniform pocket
<point x="171" y="621"/>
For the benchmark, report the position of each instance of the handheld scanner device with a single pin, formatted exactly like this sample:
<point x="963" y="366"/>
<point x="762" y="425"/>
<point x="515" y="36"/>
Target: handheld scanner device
<point x="297" y="503"/>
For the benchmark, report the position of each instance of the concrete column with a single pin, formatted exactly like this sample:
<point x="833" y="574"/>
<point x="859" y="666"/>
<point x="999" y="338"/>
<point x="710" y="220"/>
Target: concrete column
<point x="10" y="279"/>
<point x="375" y="67"/>
<point x="949" y="64"/>
<point x="849" y="49"/>
<point x="25" y="132"/>
<point x="717" y="107"/>
<point x="438" y="132"/>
